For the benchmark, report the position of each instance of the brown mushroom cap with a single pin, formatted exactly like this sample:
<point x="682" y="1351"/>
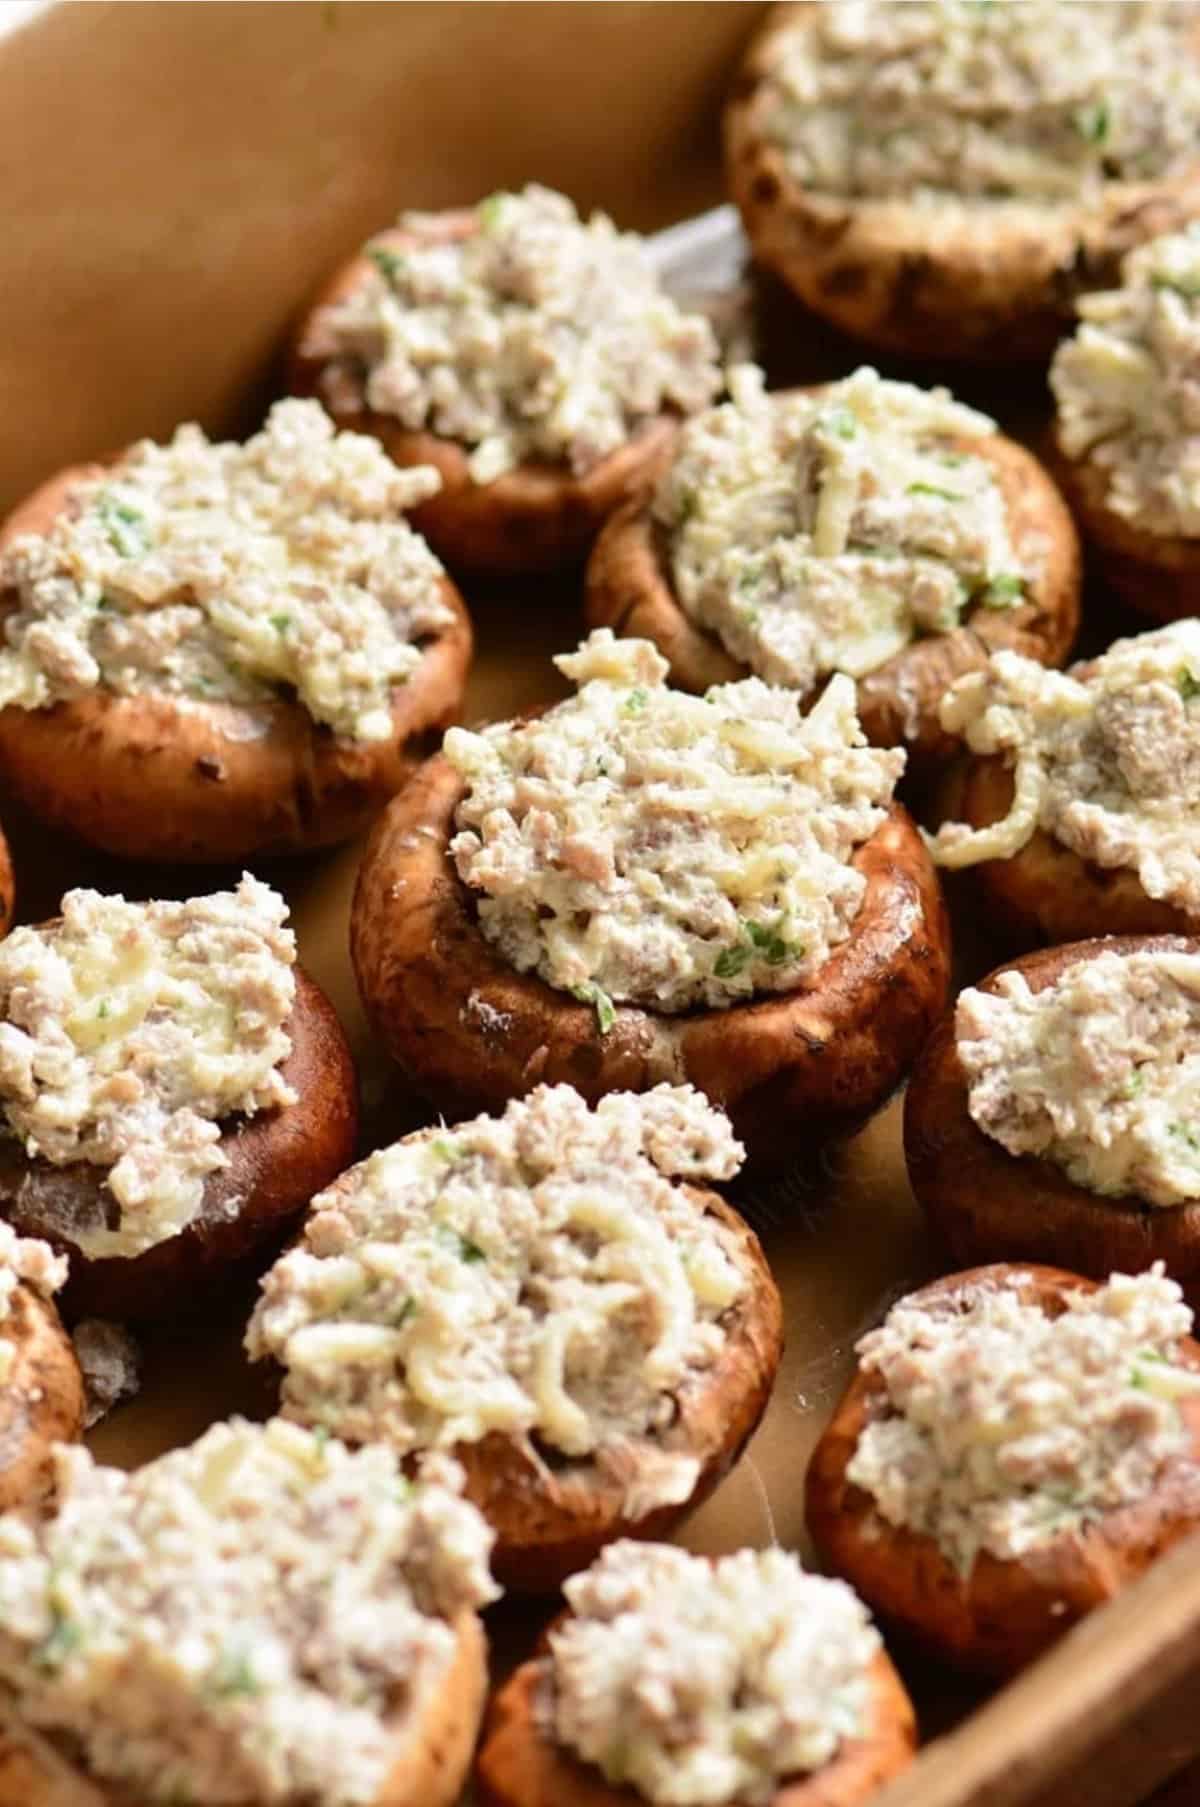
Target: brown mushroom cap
<point x="630" y="588"/>
<point x="989" y="1205"/>
<point x="1045" y="892"/>
<point x="277" y="1161"/>
<point x="961" y="279"/>
<point x="155" y="777"/>
<point x="1156" y="573"/>
<point x="471" y="1032"/>
<point x="536" y="517"/>
<point x="7" y="886"/>
<point x="435" y="1739"/>
<point x="42" y="1400"/>
<point x="553" y="1515"/>
<point x="1002" y="1614"/>
<point x="521" y="1766"/>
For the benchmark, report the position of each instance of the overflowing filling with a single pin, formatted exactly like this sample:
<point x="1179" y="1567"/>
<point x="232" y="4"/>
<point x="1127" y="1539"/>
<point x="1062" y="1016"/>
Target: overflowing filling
<point x="699" y="1682"/>
<point x="129" y="1032"/>
<point x="24" y="1261"/>
<point x="1007" y="1425"/>
<point x="637" y="844"/>
<point x="247" y="1619"/>
<point x="824" y="530"/>
<point x="536" y="1275"/>
<point x="534" y="336"/>
<point x="230" y="573"/>
<point x="1107" y="762"/>
<point x="1128" y="387"/>
<point x="1038" y="102"/>
<point x="1098" y="1072"/>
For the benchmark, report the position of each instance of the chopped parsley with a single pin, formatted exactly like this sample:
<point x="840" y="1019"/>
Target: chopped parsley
<point x="931" y="489"/>
<point x="1189" y="684"/>
<point x="840" y="422"/>
<point x="730" y="961"/>
<point x="688" y="503"/>
<point x="1092" y="123"/>
<point x="1188" y="287"/>
<point x="125" y="526"/>
<point x="281" y="623"/>
<point x="1183" y="1132"/>
<point x="635" y="702"/>
<point x="445" y="1149"/>
<point x="63" y="1637"/>
<point x="234" y="1674"/>
<point x="102" y="1009"/>
<point x="600" y="1001"/>
<point x="463" y="1247"/>
<point x="389" y="263"/>
<point x="757" y="938"/>
<point x="1001" y="591"/>
<point x="410" y="1305"/>
<point x="490" y="211"/>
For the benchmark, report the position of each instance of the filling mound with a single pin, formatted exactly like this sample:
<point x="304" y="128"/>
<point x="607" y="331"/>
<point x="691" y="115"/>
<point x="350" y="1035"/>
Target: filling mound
<point x="24" y="1261"/>
<point x="537" y="337"/>
<point x="699" y="1682"/>
<point x="536" y="1275"/>
<point x="249" y="1619"/>
<point x="1098" y="1072"/>
<point x="129" y="1032"/>
<point x="819" y="532"/>
<point x="1107" y="762"/>
<point x="641" y="845"/>
<point x="1009" y="1427"/>
<point x="230" y="573"/>
<point x="1039" y="102"/>
<point x="1128" y="388"/>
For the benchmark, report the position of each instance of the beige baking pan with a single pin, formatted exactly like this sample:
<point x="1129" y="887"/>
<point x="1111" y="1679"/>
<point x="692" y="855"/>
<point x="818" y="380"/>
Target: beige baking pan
<point x="177" y="179"/>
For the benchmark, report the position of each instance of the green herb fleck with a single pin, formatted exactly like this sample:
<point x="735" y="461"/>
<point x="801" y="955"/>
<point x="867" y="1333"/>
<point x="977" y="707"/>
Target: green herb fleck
<point x="102" y="1009"/>
<point x="686" y="507"/>
<point x="463" y="1247"/>
<point x="1001" y="591"/>
<point x="233" y="1674"/>
<point x="410" y="1305"/>
<point x="63" y="1637"/>
<point x="1135" y="1082"/>
<point x="841" y="423"/>
<point x="1183" y="1132"/>
<point x="634" y="703"/>
<point x="1188" y="287"/>
<point x="1189" y="684"/>
<point x="731" y="960"/>
<point x="281" y="623"/>
<point x="321" y="1435"/>
<point x="445" y="1149"/>
<point x="490" y="211"/>
<point x="390" y="264"/>
<point x="106" y="603"/>
<point x="600" y="1001"/>
<point x="769" y="942"/>
<point x="931" y="489"/>
<point x="125" y="526"/>
<point x="1092" y="123"/>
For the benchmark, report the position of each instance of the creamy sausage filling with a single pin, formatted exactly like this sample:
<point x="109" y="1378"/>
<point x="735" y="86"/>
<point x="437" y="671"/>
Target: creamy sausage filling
<point x="538" y="337"/>
<point x="253" y="1618"/>
<point x="994" y="103"/>
<point x="823" y="531"/>
<point x="226" y="573"/>
<point x="129" y="1032"/>
<point x="697" y="1682"/>
<point x="637" y="844"/>
<point x="1107" y="762"/>
<point x="1006" y="1426"/>
<point x="24" y="1261"/>
<point x="1128" y="391"/>
<point x="537" y="1275"/>
<point x="1098" y="1072"/>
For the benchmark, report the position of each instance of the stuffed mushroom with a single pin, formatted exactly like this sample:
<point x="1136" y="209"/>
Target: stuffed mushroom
<point x="258" y="1619"/>
<point x="866" y="526"/>
<point x="1051" y="1116"/>
<point x="173" y="1090"/>
<point x="530" y="356"/>
<point x="41" y="1387"/>
<point x="640" y="886"/>
<point x="1124" y="439"/>
<point x="942" y="178"/>
<point x="675" y="1680"/>
<point x="1077" y="804"/>
<point x="1018" y="1444"/>
<point x="217" y="650"/>
<point x="551" y="1295"/>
